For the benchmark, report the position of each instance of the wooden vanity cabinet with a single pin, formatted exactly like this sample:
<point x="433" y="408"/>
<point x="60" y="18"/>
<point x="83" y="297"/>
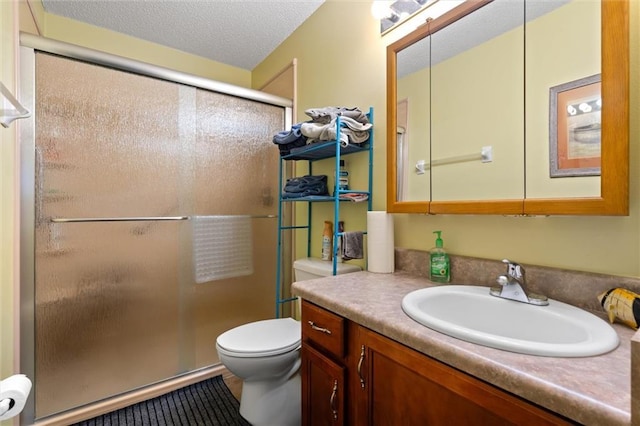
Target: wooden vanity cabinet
<point x="388" y="383"/>
<point x="397" y="385"/>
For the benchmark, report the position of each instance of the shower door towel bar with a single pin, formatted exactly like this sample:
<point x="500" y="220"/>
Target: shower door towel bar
<point x="9" y="115"/>
<point x="136" y="219"/>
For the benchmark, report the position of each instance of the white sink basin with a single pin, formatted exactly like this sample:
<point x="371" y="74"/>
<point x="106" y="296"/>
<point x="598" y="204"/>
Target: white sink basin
<point x="470" y="313"/>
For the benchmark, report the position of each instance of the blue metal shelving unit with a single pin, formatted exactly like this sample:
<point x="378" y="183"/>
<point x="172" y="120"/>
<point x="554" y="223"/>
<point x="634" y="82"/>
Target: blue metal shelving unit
<point x="311" y="153"/>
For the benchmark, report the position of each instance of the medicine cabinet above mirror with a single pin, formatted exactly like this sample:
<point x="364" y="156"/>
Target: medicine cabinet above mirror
<point x="511" y="107"/>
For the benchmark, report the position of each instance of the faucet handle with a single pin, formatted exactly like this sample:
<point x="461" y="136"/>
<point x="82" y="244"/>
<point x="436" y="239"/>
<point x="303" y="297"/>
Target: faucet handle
<point x="514" y="269"/>
<point x="502" y="280"/>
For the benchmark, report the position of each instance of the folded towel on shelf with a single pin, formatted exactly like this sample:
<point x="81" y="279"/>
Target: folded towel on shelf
<point x="222" y="247"/>
<point x="328" y="114"/>
<point x="356" y="197"/>
<point x="288" y="139"/>
<point x="304" y="186"/>
<point x="351" y="131"/>
<point x="354" y="128"/>
<point x="352" y="245"/>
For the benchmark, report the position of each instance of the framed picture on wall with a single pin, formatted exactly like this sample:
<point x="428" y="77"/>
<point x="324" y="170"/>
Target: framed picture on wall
<point x="575" y="128"/>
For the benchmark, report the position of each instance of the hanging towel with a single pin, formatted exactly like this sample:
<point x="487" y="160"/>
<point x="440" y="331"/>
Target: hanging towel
<point x="222" y="247"/>
<point x="352" y="245"/>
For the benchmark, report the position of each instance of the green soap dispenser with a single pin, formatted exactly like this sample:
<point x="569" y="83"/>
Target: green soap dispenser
<point x="439" y="265"/>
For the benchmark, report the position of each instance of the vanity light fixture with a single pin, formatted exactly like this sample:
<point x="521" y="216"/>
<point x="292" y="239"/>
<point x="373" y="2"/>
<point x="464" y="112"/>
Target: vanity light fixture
<point x="381" y="9"/>
<point x="392" y="13"/>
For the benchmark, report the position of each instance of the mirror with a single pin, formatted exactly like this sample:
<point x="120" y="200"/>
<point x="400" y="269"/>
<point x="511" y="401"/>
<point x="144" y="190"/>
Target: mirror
<point x="477" y="82"/>
<point x="558" y="154"/>
<point x="413" y="129"/>
<point x="512" y="116"/>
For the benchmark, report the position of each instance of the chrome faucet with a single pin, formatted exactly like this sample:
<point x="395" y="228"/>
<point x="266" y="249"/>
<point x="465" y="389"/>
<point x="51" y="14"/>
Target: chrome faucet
<point x="512" y="286"/>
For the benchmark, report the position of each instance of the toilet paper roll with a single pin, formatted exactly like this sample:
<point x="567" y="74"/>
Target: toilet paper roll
<point x="14" y="392"/>
<point x="380" y="244"/>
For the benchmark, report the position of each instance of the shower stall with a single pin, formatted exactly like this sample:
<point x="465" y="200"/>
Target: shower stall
<point x="116" y="159"/>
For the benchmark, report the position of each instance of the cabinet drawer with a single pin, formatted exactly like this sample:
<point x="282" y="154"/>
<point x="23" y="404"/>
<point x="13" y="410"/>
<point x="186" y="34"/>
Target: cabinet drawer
<point x="324" y="328"/>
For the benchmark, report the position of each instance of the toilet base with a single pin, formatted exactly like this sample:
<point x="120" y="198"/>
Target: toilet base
<point x="264" y="404"/>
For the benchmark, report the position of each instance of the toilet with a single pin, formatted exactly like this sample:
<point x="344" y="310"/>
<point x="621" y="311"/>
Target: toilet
<point x="311" y="268"/>
<point x="266" y="356"/>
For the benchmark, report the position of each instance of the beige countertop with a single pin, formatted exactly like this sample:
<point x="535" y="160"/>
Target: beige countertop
<point x="590" y="390"/>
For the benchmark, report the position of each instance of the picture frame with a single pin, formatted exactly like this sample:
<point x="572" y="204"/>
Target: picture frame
<point x="575" y="128"/>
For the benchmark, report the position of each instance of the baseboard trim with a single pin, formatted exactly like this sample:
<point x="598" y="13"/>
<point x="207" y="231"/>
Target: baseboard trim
<point x="96" y="409"/>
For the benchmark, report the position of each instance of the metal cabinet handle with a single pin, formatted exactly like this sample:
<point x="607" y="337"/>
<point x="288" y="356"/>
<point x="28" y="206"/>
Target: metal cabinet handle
<point x="320" y="329"/>
<point x="332" y="400"/>
<point x="362" y="351"/>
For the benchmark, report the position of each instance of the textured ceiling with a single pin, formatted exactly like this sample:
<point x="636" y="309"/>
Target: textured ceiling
<point x="235" y="32"/>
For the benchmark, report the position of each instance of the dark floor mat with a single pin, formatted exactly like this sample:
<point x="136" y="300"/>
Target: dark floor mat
<point x="207" y="403"/>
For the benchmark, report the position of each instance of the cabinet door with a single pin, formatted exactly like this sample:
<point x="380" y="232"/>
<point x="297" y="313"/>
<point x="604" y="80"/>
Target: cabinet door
<point x="323" y="390"/>
<point x="404" y="387"/>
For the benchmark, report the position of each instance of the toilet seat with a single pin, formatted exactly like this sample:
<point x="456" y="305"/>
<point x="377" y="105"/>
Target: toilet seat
<point x="261" y="338"/>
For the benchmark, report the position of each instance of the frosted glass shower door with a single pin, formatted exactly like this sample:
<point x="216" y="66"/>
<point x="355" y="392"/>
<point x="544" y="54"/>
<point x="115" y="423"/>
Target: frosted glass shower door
<point x="116" y="307"/>
<point x="107" y="145"/>
<point x="235" y="173"/>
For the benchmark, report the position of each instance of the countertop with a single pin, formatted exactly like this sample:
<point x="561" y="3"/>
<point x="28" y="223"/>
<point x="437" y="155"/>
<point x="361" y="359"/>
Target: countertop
<point x="589" y="390"/>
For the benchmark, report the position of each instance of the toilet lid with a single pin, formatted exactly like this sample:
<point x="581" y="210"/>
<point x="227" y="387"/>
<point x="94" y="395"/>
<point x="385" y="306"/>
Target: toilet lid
<point x="262" y="338"/>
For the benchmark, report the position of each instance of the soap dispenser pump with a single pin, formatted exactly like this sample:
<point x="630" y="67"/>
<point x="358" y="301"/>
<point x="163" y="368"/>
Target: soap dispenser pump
<point x="439" y="265"/>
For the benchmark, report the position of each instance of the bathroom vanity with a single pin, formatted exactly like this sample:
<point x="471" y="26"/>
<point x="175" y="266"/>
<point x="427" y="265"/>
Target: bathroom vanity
<point x="366" y="362"/>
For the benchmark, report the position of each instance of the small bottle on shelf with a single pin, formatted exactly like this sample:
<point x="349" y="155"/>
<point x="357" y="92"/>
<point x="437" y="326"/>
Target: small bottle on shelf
<point x="327" y="240"/>
<point x="342" y="177"/>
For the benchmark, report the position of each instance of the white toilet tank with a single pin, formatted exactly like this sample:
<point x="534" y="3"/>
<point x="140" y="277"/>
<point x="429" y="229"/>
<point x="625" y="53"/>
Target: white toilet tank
<point x="310" y="268"/>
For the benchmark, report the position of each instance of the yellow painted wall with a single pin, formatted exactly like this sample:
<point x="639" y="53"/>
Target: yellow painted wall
<point x="342" y="61"/>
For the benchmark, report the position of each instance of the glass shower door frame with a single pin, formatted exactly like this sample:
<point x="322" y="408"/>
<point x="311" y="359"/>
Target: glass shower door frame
<point x="28" y="161"/>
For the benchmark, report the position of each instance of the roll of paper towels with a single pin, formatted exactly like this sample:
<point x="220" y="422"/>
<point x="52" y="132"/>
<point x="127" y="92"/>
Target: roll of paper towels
<point x="14" y="392"/>
<point x="380" y="245"/>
